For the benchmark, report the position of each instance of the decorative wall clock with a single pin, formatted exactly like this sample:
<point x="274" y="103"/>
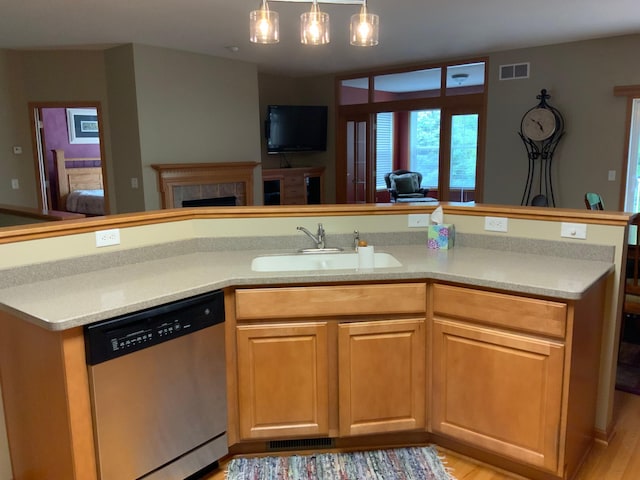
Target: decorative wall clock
<point x="541" y="129"/>
<point x="539" y="123"/>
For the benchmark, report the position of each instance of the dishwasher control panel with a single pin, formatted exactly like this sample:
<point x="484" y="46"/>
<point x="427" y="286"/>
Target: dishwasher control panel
<point x="132" y="332"/>
<point x="150" y="335"/>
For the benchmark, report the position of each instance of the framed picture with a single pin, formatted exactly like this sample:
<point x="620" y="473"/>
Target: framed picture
<point x="82" y="124"/>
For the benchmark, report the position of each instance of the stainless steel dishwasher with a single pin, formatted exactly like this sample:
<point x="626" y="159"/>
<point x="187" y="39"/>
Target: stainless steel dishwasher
<point x="158" y="390"/>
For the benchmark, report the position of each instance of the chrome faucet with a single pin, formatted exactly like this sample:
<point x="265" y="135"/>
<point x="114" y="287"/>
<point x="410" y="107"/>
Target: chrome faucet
<point x="318" y="238"/>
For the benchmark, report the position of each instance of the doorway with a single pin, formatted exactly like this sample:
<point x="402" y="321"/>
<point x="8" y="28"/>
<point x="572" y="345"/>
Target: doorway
<point x="443" y="144"/>
<point x="51" y="130"/>
<point x="628" y="365"/>
<point x="360" y="164"/>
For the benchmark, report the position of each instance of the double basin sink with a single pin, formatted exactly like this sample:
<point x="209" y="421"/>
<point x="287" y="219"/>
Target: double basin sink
<point x="313" y="259"/>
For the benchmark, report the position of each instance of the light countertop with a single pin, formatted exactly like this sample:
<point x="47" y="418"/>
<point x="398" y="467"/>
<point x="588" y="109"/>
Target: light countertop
<point x="83" y="298"/>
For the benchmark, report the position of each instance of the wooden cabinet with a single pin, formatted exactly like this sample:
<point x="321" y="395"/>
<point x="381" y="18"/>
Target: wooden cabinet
<point x="339" y="360"/>
<point x="45" y="388"/>
<point x="283" y="380"/>
<point x="498" y="391"/>
<point x="381" y="372"/>
<point x="513" y="377"/>
<point x="293" y="186"/>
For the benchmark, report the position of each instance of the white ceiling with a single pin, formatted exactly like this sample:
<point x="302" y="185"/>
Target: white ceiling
<point x="410" y="30"/>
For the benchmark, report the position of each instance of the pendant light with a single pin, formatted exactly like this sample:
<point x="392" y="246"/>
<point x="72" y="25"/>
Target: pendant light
<point x="364" y="27"/>
<point x="264" y="25"/>
<point x="314" y="26"/>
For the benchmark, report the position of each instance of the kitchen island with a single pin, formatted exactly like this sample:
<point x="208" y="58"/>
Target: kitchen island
<point x="123" y="289"/>
<point x="564" y="290"/>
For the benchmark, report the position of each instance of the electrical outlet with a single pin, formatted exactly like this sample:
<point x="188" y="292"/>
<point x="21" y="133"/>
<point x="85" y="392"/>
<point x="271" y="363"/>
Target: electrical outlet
<point x="573" y="230"/>
<point x="15" y="183"/>
<point x="134" y="182"/>
<point x="418" y="219"/>
<point x="104" y="238"/>
<point x="496" y="224"/>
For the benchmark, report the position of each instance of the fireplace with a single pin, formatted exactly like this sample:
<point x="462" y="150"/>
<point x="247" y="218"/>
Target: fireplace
<point x="211" y="202"/>
<point x="193" y="182"/>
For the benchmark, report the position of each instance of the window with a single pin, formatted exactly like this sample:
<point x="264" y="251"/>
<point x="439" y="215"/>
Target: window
<point x="428" y="119"/>
<point x="465" y="79"/>
<point x="407" y="85"/>
<point x="384" y="147"/>
<point x="425" y="151"/>
<point x="424" y="145"/>
<point x="354" y="91"/>
<point x="632" y="191"/>
<point x="464" y="152"/>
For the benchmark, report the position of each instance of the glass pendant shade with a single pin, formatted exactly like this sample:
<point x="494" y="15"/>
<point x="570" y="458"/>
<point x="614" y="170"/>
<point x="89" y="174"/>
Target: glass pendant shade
<point x="314" y="26"/>
<point x="264" y="25"/>
<point x="364" y="28"/>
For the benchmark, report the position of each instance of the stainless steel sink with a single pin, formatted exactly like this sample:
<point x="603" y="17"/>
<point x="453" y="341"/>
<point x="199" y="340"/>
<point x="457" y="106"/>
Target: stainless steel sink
<point x="318" y="261"/>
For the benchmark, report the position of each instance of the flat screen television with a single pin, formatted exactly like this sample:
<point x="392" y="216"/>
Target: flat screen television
<point x="296" y="128"/>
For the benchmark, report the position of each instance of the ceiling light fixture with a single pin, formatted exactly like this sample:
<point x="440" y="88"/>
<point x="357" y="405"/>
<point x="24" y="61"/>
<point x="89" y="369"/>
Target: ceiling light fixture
<point x="314" y="24"/>
<point x="364" y="27"/>
<point x="264" y="25"/>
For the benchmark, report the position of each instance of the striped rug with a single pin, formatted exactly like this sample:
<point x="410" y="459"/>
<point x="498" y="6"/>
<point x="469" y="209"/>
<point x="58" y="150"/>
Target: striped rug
<point x="411" y="463"/>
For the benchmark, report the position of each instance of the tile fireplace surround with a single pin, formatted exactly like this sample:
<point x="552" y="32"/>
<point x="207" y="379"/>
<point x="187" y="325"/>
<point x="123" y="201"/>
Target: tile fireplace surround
<point x="197" y="181"/>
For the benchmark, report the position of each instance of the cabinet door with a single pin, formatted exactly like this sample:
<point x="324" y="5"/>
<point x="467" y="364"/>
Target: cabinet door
<point x="498" y="390"/>
<point x="382" y="376"/>
<point x="283" y="380"/>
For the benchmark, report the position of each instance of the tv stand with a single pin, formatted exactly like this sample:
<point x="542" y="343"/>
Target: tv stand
<point x="293" y="185"/>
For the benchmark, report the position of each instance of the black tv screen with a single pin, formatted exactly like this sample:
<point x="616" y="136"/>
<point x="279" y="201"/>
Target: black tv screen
<point x="296" y="128"/>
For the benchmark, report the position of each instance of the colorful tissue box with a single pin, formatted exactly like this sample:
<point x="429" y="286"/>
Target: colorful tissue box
<point x="441" y="236"/>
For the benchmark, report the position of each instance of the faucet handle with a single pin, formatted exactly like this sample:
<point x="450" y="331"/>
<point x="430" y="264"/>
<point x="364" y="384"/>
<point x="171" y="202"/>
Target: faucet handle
<point x="320" y="239"/>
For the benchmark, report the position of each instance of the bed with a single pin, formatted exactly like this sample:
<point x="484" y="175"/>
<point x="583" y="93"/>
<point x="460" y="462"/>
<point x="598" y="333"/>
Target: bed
<point x="80" y="188"/>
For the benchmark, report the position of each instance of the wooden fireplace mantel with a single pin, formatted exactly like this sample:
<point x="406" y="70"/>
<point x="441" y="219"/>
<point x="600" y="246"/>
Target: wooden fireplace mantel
<point x="171" y="175"/>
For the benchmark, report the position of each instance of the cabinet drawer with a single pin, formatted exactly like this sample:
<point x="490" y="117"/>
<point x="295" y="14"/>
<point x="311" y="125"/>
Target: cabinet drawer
<point x="294" y="181"/>
<point x="519" y="313"/>
<point x="294" y="196"/>
<point x="295" y="191"/>
<point x="338" y="300"/>
<point x="294" y="201"/>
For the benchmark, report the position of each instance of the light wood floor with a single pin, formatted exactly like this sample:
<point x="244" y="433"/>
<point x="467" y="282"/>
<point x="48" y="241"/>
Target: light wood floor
<point x="620" y="460"/>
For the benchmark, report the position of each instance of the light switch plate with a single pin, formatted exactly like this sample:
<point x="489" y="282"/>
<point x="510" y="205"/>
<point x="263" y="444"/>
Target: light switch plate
<point x="573" y="230"/>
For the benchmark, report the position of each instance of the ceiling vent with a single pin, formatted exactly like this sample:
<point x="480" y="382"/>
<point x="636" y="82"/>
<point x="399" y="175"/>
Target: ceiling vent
<point x="515" y="71"/>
